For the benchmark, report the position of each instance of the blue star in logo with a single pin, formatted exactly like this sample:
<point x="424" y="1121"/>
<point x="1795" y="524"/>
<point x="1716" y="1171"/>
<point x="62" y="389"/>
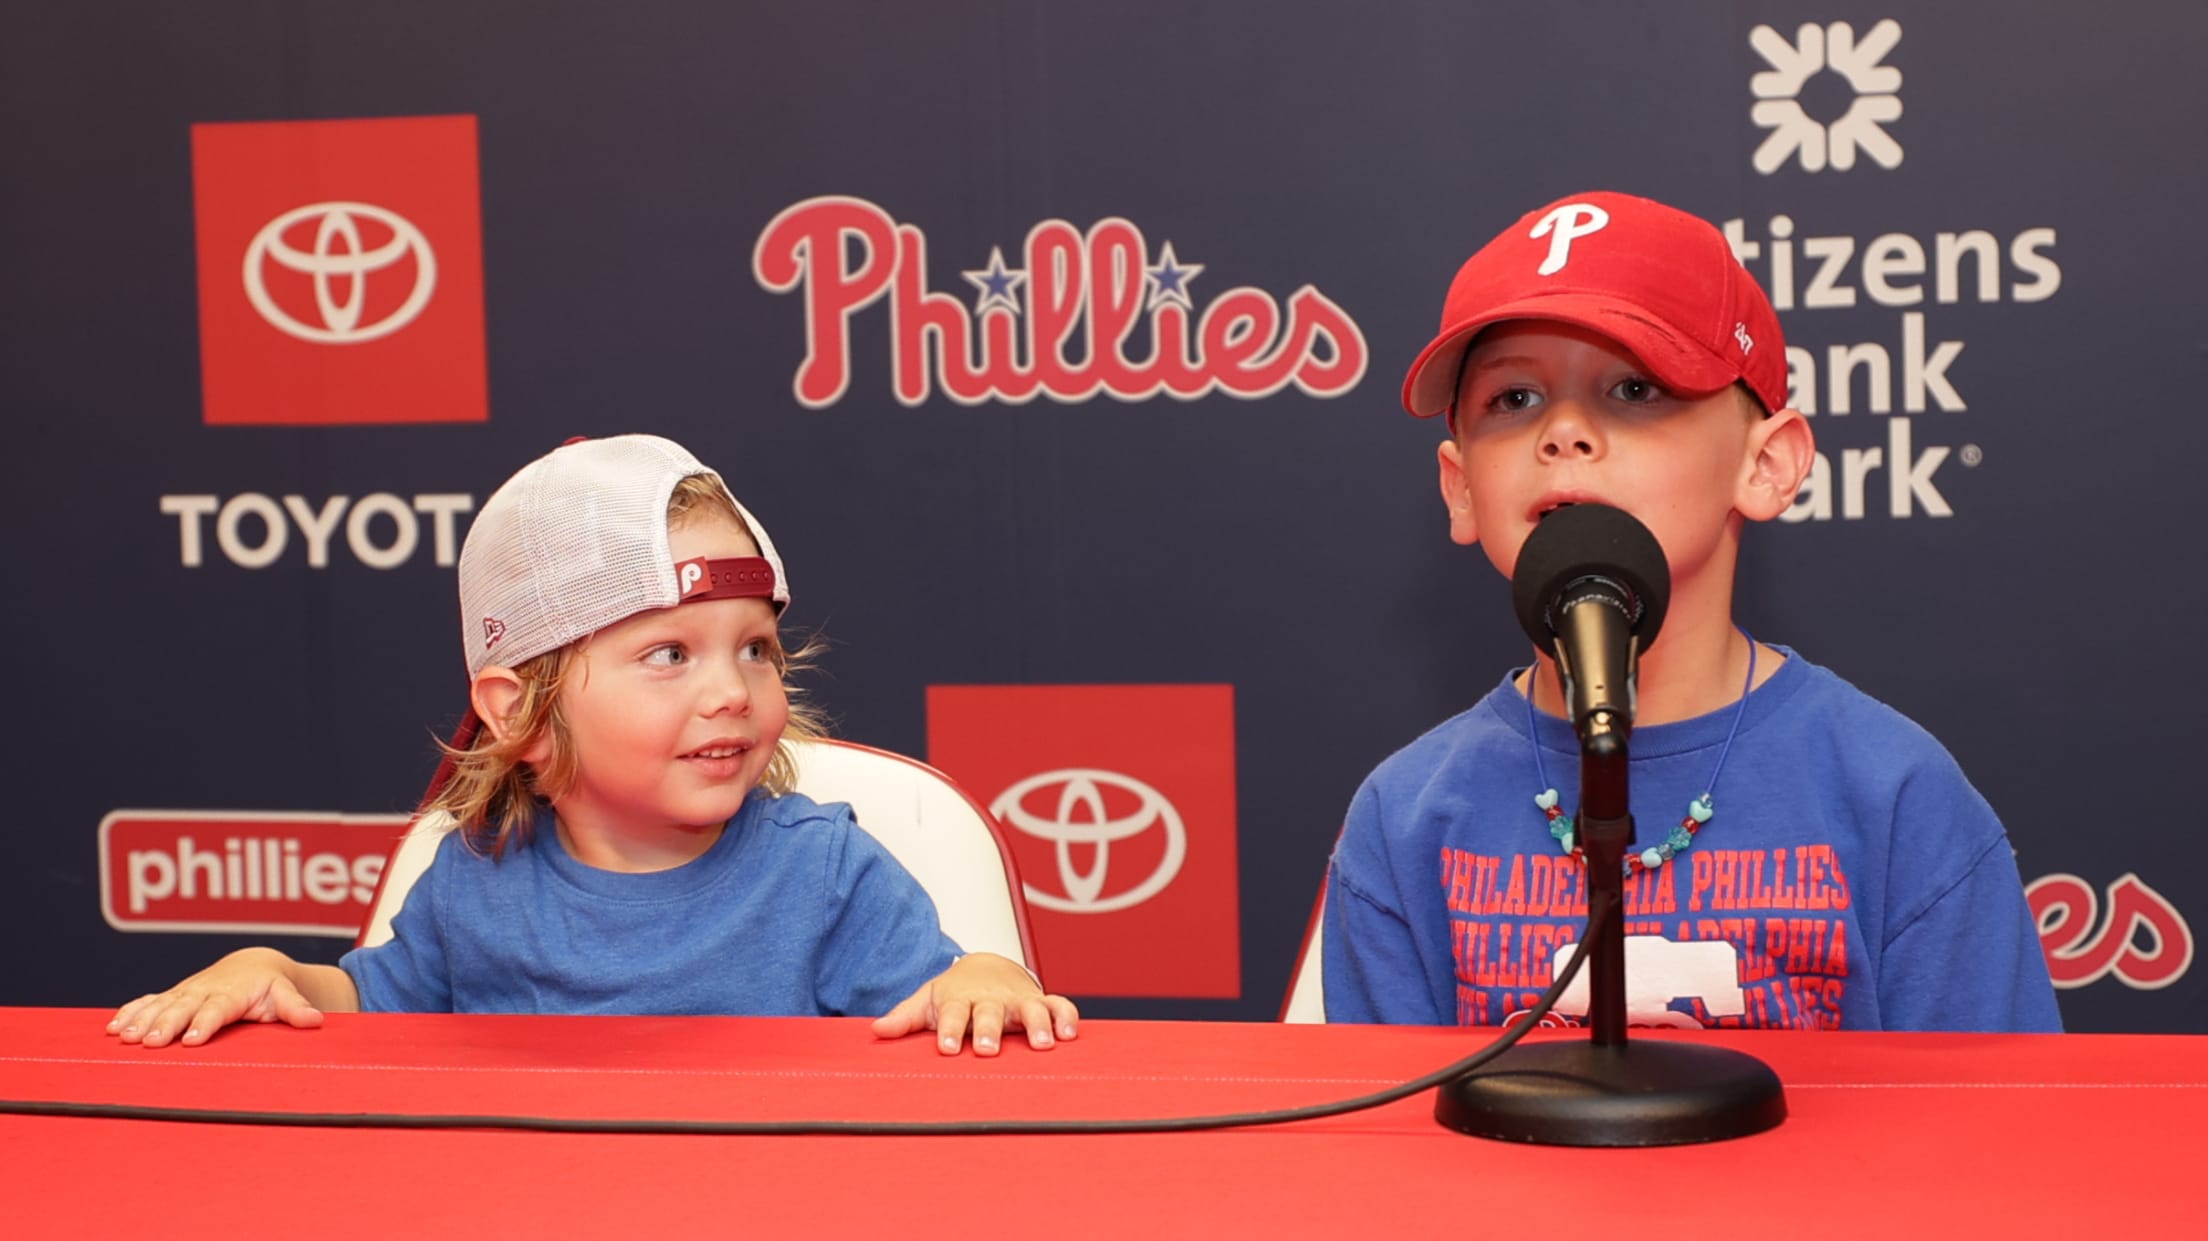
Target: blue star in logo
<point x="1169" y="280"/>
<point x="996" y="284"/>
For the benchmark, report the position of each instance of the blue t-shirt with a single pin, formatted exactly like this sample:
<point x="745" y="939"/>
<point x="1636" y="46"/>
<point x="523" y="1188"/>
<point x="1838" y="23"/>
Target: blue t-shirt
<point x="1851" y="877"/>
<point x="794" y="911"/>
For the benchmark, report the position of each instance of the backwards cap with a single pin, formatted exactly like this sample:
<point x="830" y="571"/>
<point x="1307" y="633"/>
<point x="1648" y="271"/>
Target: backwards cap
<point x="1658" y="281"/>
<point x="577" y="540"/>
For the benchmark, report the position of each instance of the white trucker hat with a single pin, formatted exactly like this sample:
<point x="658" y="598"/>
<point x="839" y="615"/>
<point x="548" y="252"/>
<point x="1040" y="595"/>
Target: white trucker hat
<point x="577" y="540"/>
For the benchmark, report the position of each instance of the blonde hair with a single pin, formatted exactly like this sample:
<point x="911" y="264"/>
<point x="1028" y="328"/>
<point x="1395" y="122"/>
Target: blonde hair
<point x="493" y="795"/>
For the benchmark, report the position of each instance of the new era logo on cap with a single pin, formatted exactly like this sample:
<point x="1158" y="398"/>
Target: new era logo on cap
<point x="493" y="630"/>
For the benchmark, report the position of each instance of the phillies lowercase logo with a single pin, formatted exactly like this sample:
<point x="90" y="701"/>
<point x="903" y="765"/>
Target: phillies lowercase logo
<point x="2083" y="947"/>
<point x="340" y="271"/>
<point x="242" y="870"/>
<point x="1816" y="49"/>
<point x="1119" y="806"/>
<point x="1082" y="314"/>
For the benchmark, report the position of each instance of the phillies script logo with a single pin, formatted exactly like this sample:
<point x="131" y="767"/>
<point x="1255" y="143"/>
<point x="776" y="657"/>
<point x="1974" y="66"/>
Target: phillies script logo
<point x="242" y="870"/>
<point x="340" y="271"/>
<point x="1140" y="331"/>
<point x="1074" y="811"/>
<point x="1119" y="802"/>
<point x="2081" y="948"/>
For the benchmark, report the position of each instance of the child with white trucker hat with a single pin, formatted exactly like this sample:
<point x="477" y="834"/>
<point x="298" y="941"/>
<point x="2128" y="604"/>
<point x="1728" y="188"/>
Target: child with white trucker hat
<point x="627" y="838"/>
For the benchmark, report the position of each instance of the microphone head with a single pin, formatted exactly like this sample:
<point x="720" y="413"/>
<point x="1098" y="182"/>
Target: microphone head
<point x="1590" y="541"/>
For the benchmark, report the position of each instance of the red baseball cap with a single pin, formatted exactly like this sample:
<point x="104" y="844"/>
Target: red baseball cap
<point x="1658" y="281"/>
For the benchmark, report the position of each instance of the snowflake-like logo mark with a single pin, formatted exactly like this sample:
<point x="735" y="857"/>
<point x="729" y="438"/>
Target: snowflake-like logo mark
<point x="1815" y="49"/>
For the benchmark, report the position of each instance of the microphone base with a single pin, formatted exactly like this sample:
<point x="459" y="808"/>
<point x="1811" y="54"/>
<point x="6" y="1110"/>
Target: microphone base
<point x="1645" y="1093"/>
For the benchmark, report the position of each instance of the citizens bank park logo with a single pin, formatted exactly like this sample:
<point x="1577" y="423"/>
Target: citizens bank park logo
<point x="340" y="271"/>
<point x="2083" y="947"/>
<point x="1814" y="50"/>
<point x="1891" y="463"/>
<point x="1131" y="320"/>
<point x="1119" y="805"/>
<point x="242" y="870"/>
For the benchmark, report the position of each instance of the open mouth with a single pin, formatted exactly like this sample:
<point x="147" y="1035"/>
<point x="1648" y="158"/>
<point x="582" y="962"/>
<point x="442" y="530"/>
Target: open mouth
<point x="720" y="750"/>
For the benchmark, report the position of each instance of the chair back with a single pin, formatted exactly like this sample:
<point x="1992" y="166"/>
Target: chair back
<point x="948" y="840"/>
<point x="934" y="828"/>
<point x="1306" y="1002"/>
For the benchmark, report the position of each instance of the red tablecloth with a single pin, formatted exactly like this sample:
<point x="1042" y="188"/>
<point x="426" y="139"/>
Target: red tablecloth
<point x="1889" y="1135"/>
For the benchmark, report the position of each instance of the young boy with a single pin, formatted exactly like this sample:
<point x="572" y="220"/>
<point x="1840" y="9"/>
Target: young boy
<point x="1831" y="867"/>
<point x="628" y="841"/>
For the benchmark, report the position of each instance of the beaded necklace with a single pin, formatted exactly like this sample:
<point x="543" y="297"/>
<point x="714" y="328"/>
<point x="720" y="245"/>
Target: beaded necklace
<point x="1699" y="810"/>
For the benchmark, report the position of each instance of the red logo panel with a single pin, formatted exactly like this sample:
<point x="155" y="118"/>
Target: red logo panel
<point x="1118" y="802"/>
<point x="242" y="870"/>
<point x="340" y="271"/>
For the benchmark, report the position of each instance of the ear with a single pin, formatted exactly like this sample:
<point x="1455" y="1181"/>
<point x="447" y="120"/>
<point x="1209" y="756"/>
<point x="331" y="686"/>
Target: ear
<point x="496" y="695"/>
<point x="1781" y="450"/>
<point x="1456" y="493"/>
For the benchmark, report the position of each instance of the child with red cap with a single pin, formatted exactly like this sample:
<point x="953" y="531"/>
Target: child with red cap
<point x="1808" y="858"/>
<point x="627" y="837"/>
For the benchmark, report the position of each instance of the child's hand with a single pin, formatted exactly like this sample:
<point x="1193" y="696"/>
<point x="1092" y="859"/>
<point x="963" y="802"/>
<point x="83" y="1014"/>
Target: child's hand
<point x="252" y="984"/>
<point x="985" y="995"/>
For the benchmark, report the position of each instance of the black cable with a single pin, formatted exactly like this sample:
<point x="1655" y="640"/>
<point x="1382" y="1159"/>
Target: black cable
<point x="1527" y="1020"/>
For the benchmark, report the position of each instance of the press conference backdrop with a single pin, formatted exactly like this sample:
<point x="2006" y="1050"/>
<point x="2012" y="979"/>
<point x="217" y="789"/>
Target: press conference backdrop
<point x="1057" y="344"/>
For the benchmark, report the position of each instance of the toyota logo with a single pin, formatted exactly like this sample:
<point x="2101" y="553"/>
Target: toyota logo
<point x="1079" y="818"/>
<point x="339" y="262"/>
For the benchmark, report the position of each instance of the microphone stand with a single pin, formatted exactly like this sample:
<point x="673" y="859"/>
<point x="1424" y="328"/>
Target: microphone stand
<point x="1609" y="1090"/>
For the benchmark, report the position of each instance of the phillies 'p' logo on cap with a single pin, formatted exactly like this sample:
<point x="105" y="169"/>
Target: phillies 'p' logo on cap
<point x="1564" y="226"/>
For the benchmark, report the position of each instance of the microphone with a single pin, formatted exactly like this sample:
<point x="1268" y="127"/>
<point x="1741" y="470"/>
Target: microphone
<point x="1591" y="586"/>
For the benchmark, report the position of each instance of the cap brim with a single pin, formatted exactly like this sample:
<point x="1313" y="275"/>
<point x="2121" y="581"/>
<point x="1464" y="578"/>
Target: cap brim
<point x="1672" y="360"/>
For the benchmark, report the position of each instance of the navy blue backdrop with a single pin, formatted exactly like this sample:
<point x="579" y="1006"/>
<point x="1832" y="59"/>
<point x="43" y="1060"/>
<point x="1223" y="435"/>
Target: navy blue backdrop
<point x="1978" y="215"/>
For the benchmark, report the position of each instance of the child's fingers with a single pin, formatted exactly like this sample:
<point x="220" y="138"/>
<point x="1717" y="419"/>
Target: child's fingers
<point x="1066" y="1017"/>
<point x="950" y="1026"/>
<point x="131" y="1025"/>
<point x="1035" y="1018"/>
<point x="190" y="1018"/>
<point x="910" y="1014"/>
<point x="292" y="1008"/>
<point x="215" y="1012"/>
<point x="156" y="1020"/>
<point x="988" y="1028"/>
<point x="126" y="1017"/>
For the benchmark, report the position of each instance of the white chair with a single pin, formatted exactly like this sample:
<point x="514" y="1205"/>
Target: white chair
<point x="1306" y="1002"/>
<point x="949" y="842"/>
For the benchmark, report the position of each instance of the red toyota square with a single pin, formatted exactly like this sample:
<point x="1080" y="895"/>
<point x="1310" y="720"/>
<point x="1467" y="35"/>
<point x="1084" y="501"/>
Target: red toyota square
<point x="340" y="271"/>
<point x="1118" y="801"/>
